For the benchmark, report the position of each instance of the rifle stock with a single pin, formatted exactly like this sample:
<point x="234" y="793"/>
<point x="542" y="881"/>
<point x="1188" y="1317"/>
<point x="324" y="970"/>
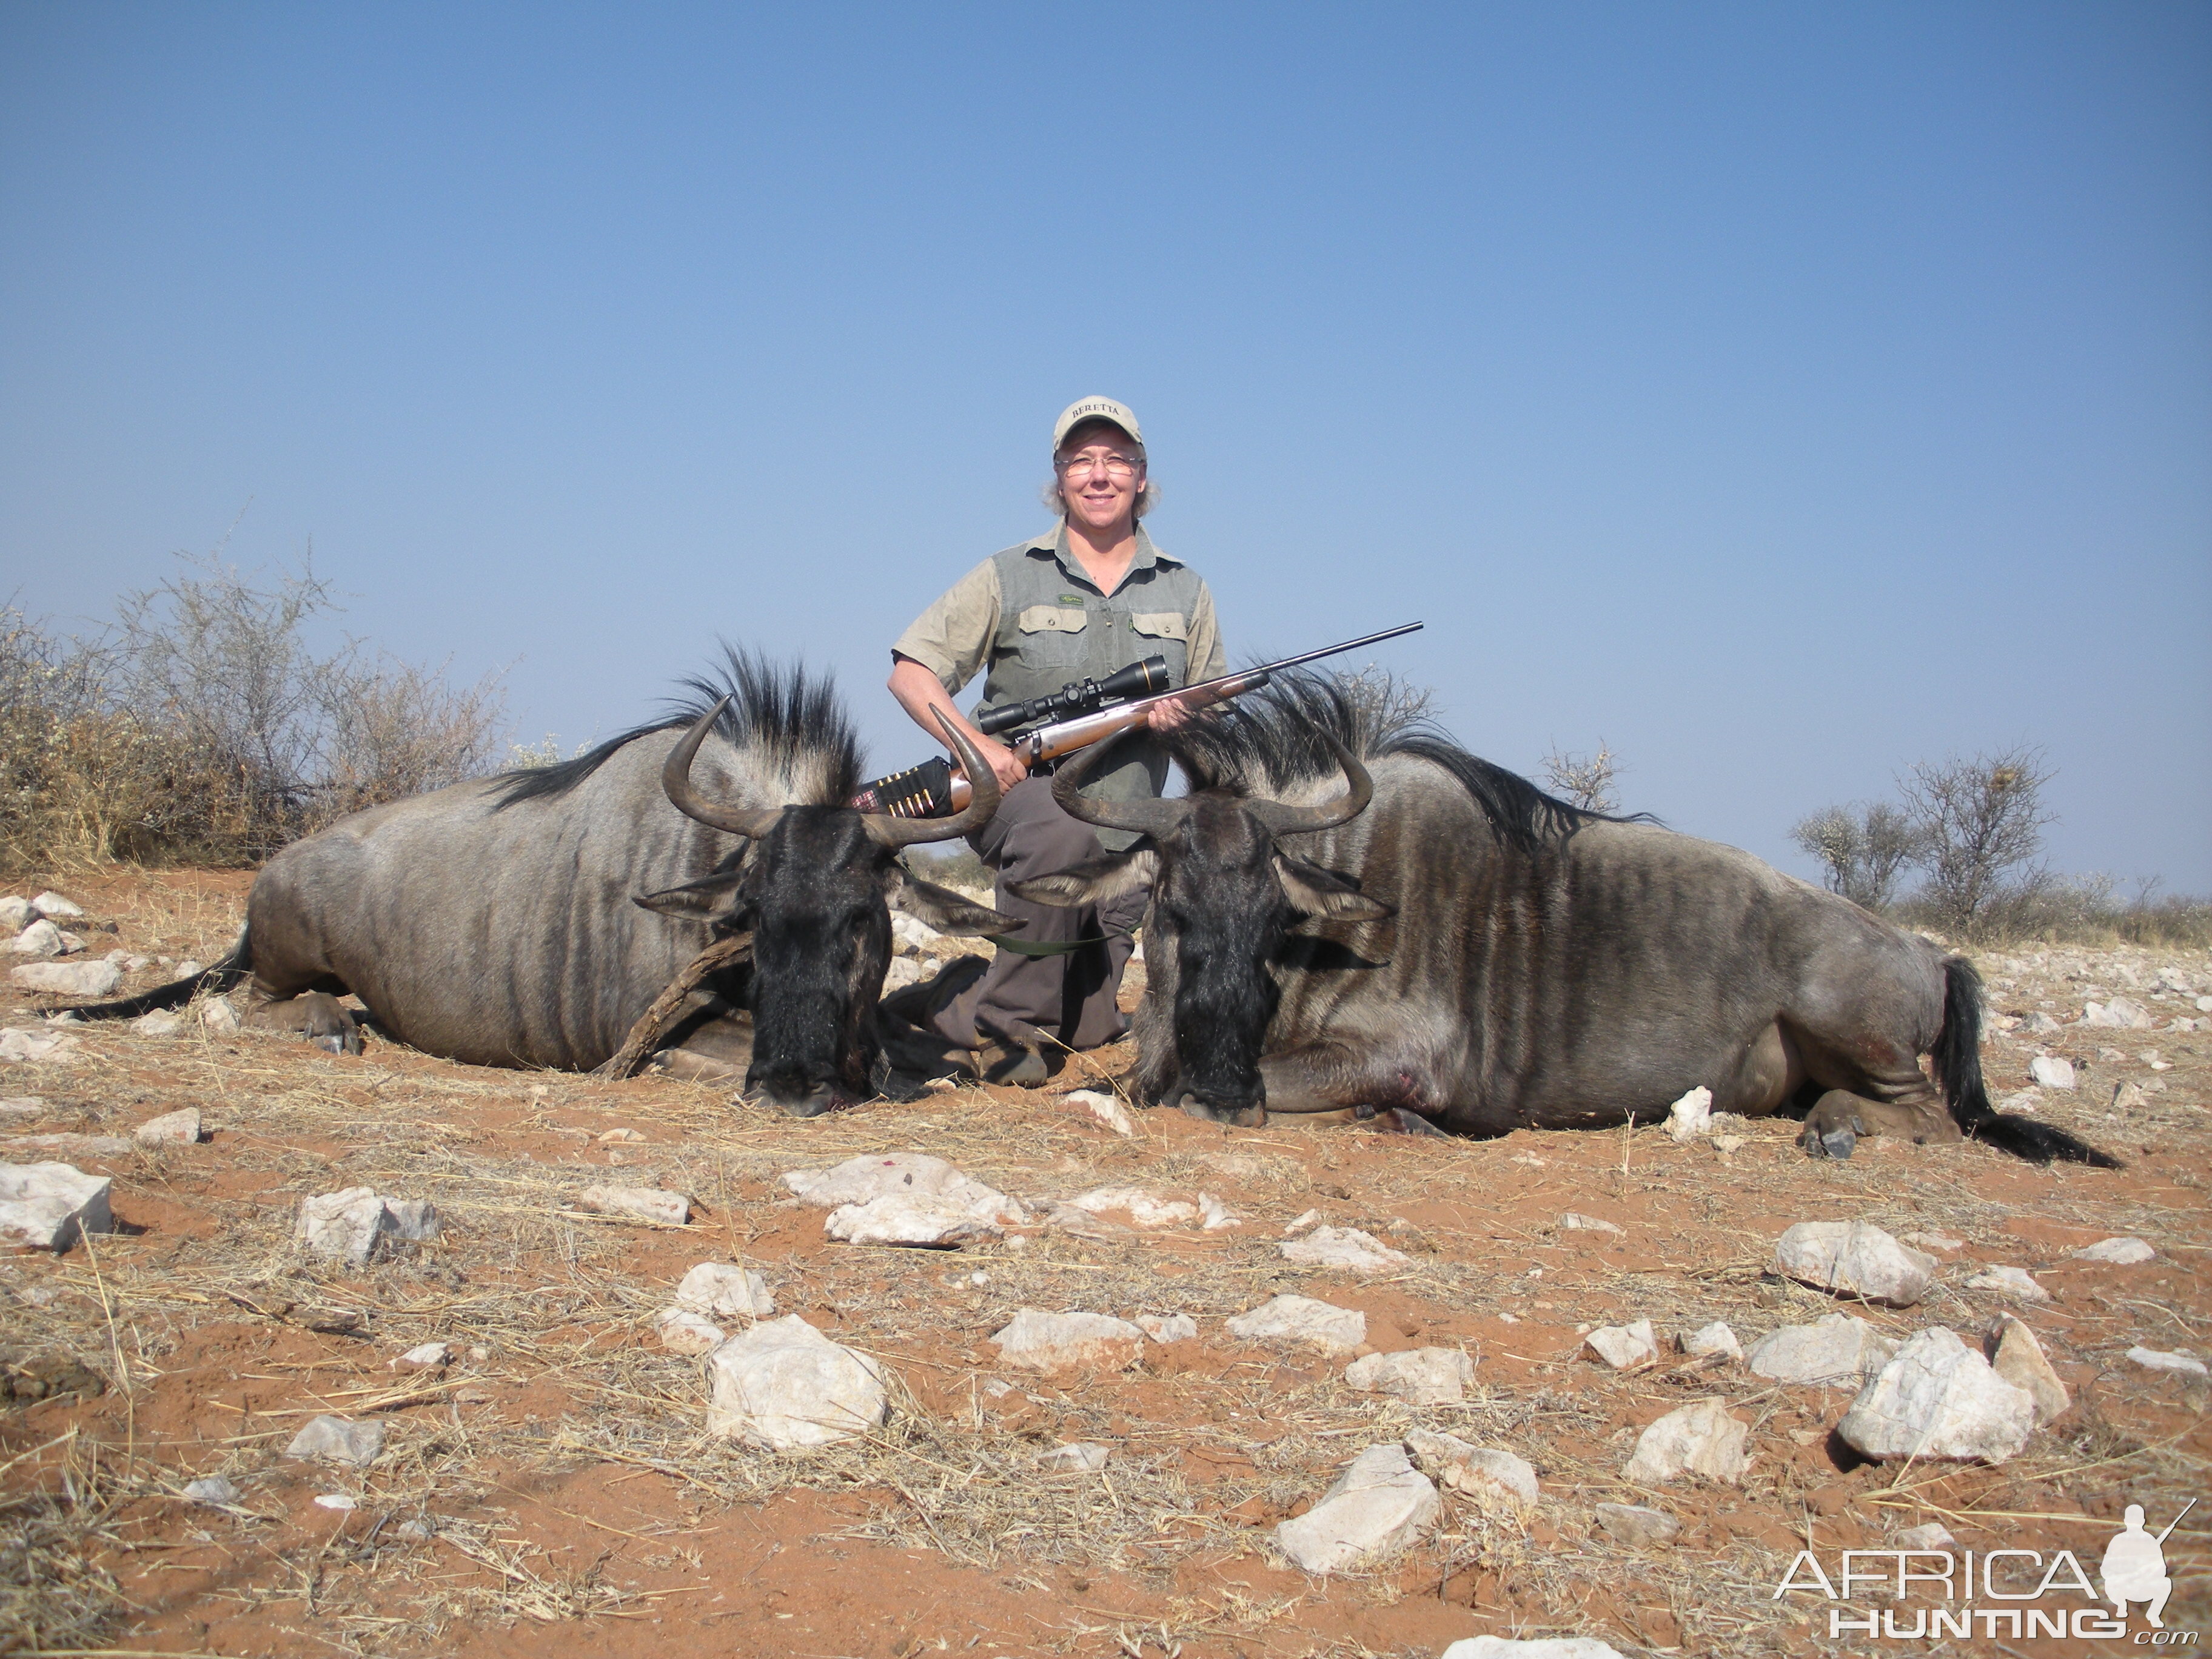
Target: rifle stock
<point x="925" y="791"/>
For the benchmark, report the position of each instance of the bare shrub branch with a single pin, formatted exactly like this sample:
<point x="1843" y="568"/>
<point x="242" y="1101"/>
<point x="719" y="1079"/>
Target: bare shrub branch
<point x="203" y="726"/>
<point x="1384" y="701"/>
<point x="1862" y="849"/>
<point x="1585" y="780"/>
<point x="1982" y="820"/>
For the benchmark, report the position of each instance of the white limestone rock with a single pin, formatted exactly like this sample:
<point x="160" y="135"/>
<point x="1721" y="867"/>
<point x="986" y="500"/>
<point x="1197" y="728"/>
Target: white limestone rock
<point x="904" y="1219"/>
<point x="337" y="1440"/>
<point x="46" y="1047"/>
<point x="1164" y="1328"/>
<point x="649" y="1204"/>
<point x="15" y="913"/>
<point x="1378" y="1507"/>
<point x="1213" y="1215"/>
<point x="160" y="1024"/>
<point x="785" y="1386"/>
<point x="1575" y="1222"/>
<point x="178" y="1129"/>
<point x="2120" y="1014"/>
<point x="219" y="1017"/>
<point x="1929" y="1535"/>
<point x="357" y="1223"/>
<point x="2009" y="1281"/>
<point x="2036" y="1023"/>
<point x="2015" y="1355"/>
<point x="69" y="1144"/>
<point x="1623" y="1348"/>
<point x="1937" y="1398"/>
<point x="1541" y="1647"/>
<point x="1698" y="1438"/>
<point x="1836" y="1350"/>
<point x="910" y="934"/>
<point x="1343" y="1247"/>
<point x="1421" y="1376"/>
<point x="1105" y="1108"/>
<point x="723" y="1290"/>
<point x="68" y="979"/>
<point x="914" y="1175"/>
<point x="1717" y="1338"/>
<point x="212" y="1491"/>
<point x="1479" y="1472"/>
<point x="425" y="1357"/>
<point x="52" y="905"/>
<point x="1077" y="1457"/>
<point x="1853" y="1258"/>
<point x="2121" y="1252"/>
<point x="1637" y="1526"/>
<point x="49" y="1206"/>
<point x="1301" y="1319"/>
<point x="1932" y="1241"/>
<point x="43" y="939"/>
<point x="688" y="1331"/>
<point x="1049" y="1341"/>
<point x="1691" y="1116"/>
<point x="2051" y="1071"/>
<point x="1143" y="1207"/>
<point x="2176" y="1364"/>
<point x="902" y="971"/>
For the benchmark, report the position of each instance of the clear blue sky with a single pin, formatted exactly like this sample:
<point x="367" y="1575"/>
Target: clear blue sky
<point x="1782" y="392"/>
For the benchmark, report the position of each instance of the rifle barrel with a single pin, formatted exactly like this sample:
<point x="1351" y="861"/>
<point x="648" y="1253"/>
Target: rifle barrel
<point x="1349" y="645"/>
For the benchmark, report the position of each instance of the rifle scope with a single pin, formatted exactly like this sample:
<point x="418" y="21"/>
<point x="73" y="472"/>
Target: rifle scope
<point x="1138" y="680"/>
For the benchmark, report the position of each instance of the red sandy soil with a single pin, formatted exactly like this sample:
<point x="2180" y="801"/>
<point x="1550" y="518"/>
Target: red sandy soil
<point x="554" y="1489"/>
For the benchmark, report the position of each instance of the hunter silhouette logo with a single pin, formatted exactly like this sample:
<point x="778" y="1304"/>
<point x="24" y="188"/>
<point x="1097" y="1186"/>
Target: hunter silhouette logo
<point x="2134" y="1567"/>
<point x="2010" y="1593"/>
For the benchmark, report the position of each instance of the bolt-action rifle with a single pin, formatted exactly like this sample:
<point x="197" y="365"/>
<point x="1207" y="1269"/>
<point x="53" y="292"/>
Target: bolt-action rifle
<point x="1079" y="714"/>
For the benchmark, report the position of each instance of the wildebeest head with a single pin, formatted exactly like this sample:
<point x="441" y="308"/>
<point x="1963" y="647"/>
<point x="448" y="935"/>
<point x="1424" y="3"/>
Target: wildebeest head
<point x="1226" y="894"/>
<point x="816" y="885"/>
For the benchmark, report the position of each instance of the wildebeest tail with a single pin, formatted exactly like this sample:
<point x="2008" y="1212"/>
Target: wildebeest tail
<point x="219" y="977"/>
<point x="1958" y="1058"/>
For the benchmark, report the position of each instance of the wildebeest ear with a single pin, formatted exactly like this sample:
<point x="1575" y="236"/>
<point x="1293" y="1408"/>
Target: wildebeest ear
<point x="1095" y="881"/>
<point x="1326" y="896"/>
<point x="940" y="907"/>
<point x="696" y="901"/>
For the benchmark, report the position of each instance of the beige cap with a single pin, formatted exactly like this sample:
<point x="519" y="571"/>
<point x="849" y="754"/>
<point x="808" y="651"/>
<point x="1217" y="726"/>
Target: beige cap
<point x="1095" y="409"/>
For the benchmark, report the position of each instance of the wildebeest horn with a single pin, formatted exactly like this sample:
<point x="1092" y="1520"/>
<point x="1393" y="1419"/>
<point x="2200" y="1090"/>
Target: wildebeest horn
<point x="1155" y="818"/>
<point x="1286" y="820"/>
<point x="983" y="801"/>
<point x="676" y="780"/>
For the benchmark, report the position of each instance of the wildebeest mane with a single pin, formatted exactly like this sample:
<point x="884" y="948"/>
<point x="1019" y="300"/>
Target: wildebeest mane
<point x="1271" y="742"/>
<point x="789" y="727"/>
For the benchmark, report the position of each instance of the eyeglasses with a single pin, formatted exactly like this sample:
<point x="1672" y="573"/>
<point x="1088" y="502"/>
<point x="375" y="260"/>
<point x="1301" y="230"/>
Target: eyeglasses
<point x="1117" y="467"/>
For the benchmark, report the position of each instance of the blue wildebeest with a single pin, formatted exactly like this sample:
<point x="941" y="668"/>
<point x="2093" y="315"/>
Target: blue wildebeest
<point x="1347" y="916"/>
<point x="529" y="919"/>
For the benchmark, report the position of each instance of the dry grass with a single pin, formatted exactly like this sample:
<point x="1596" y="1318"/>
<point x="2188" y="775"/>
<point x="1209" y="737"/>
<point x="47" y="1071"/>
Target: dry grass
<point x="214" y="1337"/>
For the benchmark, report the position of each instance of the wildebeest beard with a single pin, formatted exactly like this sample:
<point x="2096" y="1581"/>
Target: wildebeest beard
<point x="1223" y="905"/>
<point x="1227" y="897"/>
<point x="813" y="896"/>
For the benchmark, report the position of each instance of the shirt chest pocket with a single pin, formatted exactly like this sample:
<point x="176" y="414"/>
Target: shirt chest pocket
<point x="1164" y="633"/>
<point x="1050" y="639"/>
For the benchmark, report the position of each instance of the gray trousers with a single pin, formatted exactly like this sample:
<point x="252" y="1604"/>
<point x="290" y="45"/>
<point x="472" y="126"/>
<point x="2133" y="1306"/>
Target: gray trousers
<point x="1067" y="998"/>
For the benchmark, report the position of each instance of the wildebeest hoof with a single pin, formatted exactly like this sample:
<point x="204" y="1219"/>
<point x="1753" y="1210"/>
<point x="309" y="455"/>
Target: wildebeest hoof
<point x="1838" y="1143"/>
<point x="1254" y="1116"/>
<point x="331" y="1042"/>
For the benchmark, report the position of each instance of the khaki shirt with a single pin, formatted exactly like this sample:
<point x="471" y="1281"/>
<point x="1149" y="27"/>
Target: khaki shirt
<point x="1031" y="619"/>
<point x="955" y="638"/>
